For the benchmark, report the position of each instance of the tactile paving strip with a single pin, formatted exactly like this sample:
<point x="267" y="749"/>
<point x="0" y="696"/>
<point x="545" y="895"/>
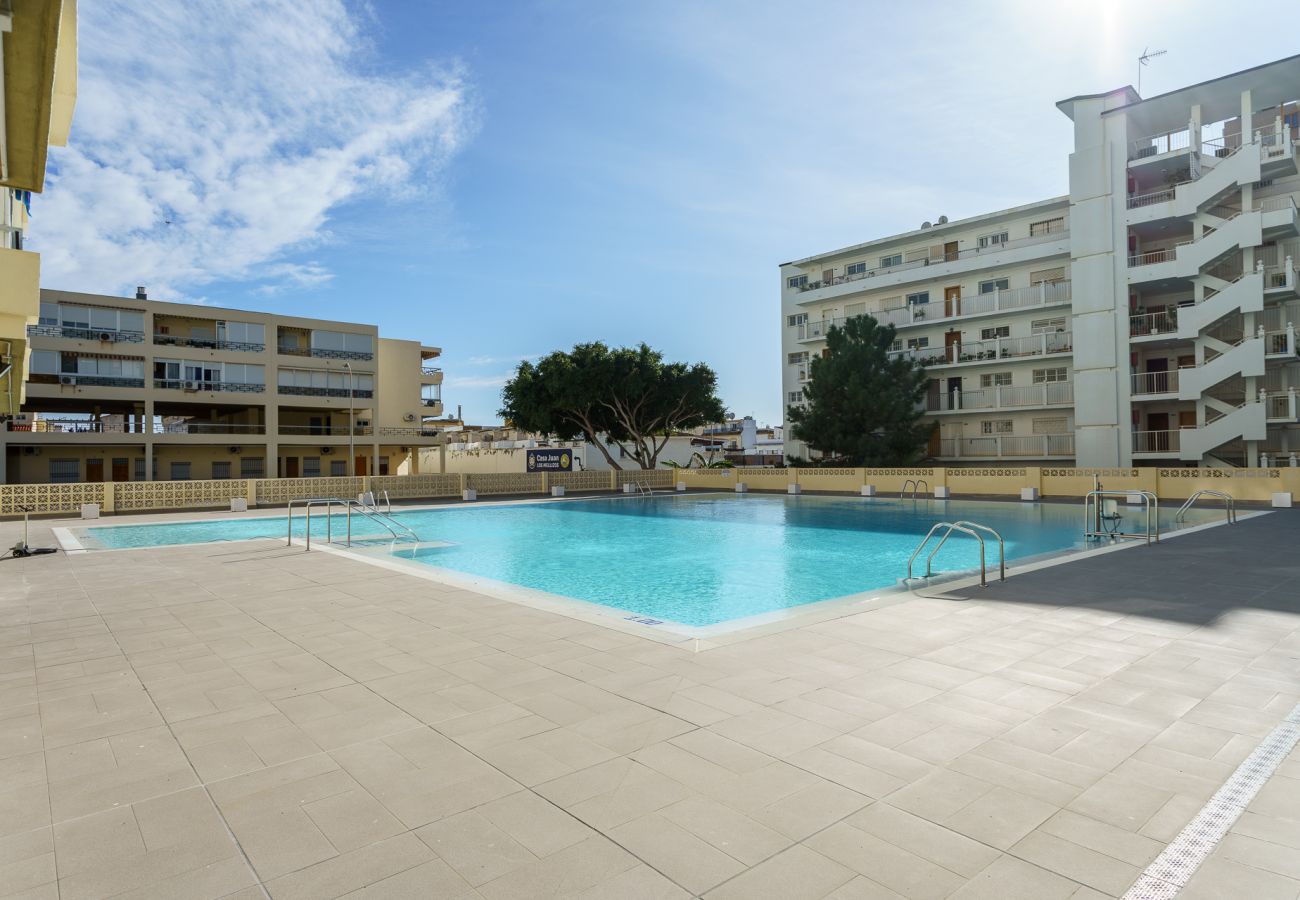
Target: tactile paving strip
<point x="1172" y="869"/>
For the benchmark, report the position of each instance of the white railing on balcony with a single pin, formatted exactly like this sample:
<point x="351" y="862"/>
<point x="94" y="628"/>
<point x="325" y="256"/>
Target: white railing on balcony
<point x="1154" y="383"/>
<point x="1159" y="144"/>
<point x="1155" y="442"/>
<point x="1279" y="343"/>
<point x="1151" y="257"/>
<point x="1280" y="406"/>
<point x="1041" y="294"/>
<point x="1008" y="446"/>
<point x="994" y="349"/>
<point x="1220" y="147"/>
<point x="1057" y="393"/>
<point x="1147" y="324"/>
<point x="1048" y="233"/>
<point x="1150" y="198"/>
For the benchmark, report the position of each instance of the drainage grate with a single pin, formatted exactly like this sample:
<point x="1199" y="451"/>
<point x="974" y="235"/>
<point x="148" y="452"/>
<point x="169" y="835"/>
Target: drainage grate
<point x="1172" y="869"/>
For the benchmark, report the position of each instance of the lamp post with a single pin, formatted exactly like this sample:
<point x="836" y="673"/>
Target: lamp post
<point x="352" y="422"/>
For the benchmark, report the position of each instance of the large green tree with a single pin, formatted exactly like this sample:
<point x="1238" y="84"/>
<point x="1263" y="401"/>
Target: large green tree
<point x="626" y="394"/>
<point x="863" y="406"/>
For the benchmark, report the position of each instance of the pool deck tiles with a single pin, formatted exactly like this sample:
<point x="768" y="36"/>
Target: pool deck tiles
<point x="246" y="720"/>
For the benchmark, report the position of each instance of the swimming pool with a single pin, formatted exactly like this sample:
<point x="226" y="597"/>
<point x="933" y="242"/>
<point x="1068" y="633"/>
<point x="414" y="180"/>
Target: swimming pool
<point x="697" y="560"/>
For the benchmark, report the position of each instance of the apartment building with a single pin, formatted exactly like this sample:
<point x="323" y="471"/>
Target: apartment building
<point x="1146" y="318"/>
<point x="132" y="389"/>
<point x="38" y="50"/>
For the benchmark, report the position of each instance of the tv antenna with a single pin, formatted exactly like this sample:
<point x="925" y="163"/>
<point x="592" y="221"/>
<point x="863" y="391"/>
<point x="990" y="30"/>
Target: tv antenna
<point x="1145" y="60"/>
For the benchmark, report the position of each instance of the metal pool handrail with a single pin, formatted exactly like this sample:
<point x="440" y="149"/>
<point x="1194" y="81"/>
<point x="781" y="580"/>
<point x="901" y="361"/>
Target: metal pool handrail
<point x="971" y="528"/>
<point x="397" y="529"/>
<point x="1092" y="528"/>
<point x="1229" y="504"/>
<point x="916" y="486"/>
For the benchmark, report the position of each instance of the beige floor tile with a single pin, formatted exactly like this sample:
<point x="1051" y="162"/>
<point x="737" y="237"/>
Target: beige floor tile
<point x="799" y="873"/>
<point x="474" y="847"/>
<point x="732" y="832"/>
<point x="27" y="863"/>
<point x="1073" y="861"/>
<point x="345" y="715"/>
<point x="116" y="771"/>
<point x="535" y="823"/>
<point x="1000" y="818"/>
<point x="683" y="856"/>
<point x="364" y="867"/>
<point x="882" y="862"/>
<point x="1009" y="878"/>
<point x="584" y="867"/>
<point x="613" y="793"/>
<point x="1219" y="878"/>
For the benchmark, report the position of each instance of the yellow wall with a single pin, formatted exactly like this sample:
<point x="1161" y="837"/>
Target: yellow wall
<point x="20" y="306"/>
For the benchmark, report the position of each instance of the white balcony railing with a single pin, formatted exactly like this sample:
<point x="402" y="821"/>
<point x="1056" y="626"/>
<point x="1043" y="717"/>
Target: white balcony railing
<point x="1280" y="406"/>
<point x="1154" y="383"/>
<point x="1146" y="324"/>
<point x="1057" y="393"/>
<point x="1042" y="294"/>
<point x="1151" y="257"/>
<point x="994" y="349"/>
<point x="1159" y="144"/>
<point x="1004" y="446"/>
<point x="1049" y="232"/>
<point x="1155" y="442"/>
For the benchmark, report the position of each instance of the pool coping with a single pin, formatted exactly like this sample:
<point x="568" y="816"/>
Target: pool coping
<point x="693" y="637"/>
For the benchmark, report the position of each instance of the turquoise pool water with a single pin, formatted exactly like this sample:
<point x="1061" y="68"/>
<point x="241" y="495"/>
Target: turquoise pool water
<point x="693" y="559"/>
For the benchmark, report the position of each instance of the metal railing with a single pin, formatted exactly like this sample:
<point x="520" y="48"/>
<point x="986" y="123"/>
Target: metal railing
<point x="76" y="332"/>
<point x="1009" y="446"/>
<point x="297" y="390"/>
<point x="322" y="353"/>
<point x="69" y="378"/>
<point x="176" y="340"/>
<point x="209" y="428"/>
<point x="397" y="529"/>
<point x="1055" y="393"/>
<point x="195" y="385"/>
<point x="1156" y="441"/>
<point x="1159" y="144"/>
<point x="1097" y="515"/>
<point x="1229" y="504"/>
<point x="324" y="430"/>
<point x="1146" y="324"/>
<point x="1163" y="195"/>
<point x="1154" y="383"/>
<point x="991" y="349"/>
<point x="1048" y="233"/>
<point x="916" y="487"/>
<point x="970" y="528"/>
<point x="1151" y="257"/>
<point x="430" y="370"/>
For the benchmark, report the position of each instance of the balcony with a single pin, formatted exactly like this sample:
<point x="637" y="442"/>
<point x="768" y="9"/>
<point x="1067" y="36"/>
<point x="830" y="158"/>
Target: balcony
<point x="1006" y="446"/>
<point x="321" y="353"/>
<point x="1152" y="324"/>
<point x="193" y="386"/>
<point x="1150" y="385"/>
<point x="430" y="370"/>
<point x="1054" y="232"/>
<point x="1058" y="393"/>
<point x="174" y="340"/>
<point x="993" y="350"/>
<point x="1280" y="407"/>
<point x="1045" y="293"/>
<point x="74" y="426"/>
<point x="325" y="430"/>
<point x="1156" y="443"/>
<point x="301" y="391"/>
<point x="116" y="381"/>
<point x="86" y="334"/>
<point x="209" y="428"/>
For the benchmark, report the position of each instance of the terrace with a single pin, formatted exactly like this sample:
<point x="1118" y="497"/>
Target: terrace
<point x="224" y="720"/>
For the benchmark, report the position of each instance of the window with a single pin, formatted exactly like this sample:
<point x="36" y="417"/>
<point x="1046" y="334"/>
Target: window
<point x="992" y="240"/>
<point x="311" y="467"/>
<point x="855" y="309"/>
<point x="1057" y="274"/>
<point x="995" y="284"/>
<point x="44" y="362"/>
<point x="65" y="471"/>
<point x="241" y="332"/>
<point x="252" y="467"/>
<point x="180" y="471"/>
<point x="1047" y="326"/>
<point x="796" y="281"/>
<point x="346" y="341"/>
<point x="1047" y="226"/>
<point x="797" y="319"/>
<point x="994" y="379"/>
<point x="995" y="426"/>
<point x="338" y="467"/>
<point x="1046" y="376"/>
<point x="240" y="373"/>
<point x="796" y="359"/>
<point x="1050" y="426"/>
<point x="796" y="396"/>
<point x="139" y="468"/>
<point x="857" y="268"/>
<point x="918" y="298"/>
<point x="997" y="331"/>
<point x="894" y="259"/>
<point x="221" y="469"/>
<point x="918" y="343"/>
<point x="897" y="345"/>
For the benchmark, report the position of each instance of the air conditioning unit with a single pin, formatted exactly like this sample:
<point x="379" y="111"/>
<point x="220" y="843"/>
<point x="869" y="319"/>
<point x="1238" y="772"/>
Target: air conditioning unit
<point x="31" y="451"/>
<point x="326" y="451"/>
<point x="191" y="385"/>
<point x="67" y="379"/>
<point x="363" y="423"/>
<point x="409" y="417"/>
<point x="106" y="335"/>
<point x="235" y="449"/>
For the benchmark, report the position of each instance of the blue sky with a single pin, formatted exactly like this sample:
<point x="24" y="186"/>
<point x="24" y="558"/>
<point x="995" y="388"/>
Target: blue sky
<point x="506" y="179"/>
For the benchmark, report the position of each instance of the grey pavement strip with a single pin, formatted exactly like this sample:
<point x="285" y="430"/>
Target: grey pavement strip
<point x="1173" y="868"/>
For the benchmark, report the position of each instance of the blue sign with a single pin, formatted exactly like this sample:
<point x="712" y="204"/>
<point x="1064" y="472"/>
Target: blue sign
<point x="550" y="460"/>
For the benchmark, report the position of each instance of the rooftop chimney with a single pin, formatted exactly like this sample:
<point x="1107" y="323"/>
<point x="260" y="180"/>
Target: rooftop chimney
<point x="140" y="293"/>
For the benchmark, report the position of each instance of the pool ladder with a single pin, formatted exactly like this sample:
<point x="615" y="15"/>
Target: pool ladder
<point x="1095" y="517"/>
<point x="1229" y="504"/>
<point x="973" y="529"/>
<point x="394" y="527"/>
<point x="916" y="486"/>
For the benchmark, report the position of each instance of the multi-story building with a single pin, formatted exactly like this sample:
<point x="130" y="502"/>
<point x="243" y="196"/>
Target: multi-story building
<point x="1146" y="317"/>
<point x="123" y="389"/>
<point x="38" y="48"/>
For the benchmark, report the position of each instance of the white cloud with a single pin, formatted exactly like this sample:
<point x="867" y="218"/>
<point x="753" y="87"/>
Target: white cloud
<point x="214" y="138"/>
<point x="478" y="381"/>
